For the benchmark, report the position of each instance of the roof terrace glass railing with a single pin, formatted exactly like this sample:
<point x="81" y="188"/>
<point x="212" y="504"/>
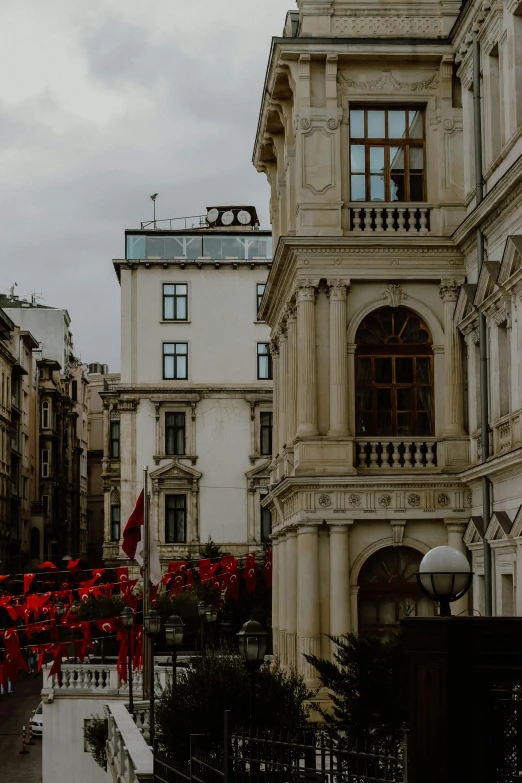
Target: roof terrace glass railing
<point x="219" y="248"/>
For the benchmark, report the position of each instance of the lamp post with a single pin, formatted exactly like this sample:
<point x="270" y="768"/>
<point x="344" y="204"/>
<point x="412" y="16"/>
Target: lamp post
<point x="211" y="617"/>
<point x="127" y="619"/>
<point x="152" y="625"/>
<point x="445" y="576"/>
<point x="252" y="647"/>
<point x="174" y="636"/>
<point x="202" y="608"/>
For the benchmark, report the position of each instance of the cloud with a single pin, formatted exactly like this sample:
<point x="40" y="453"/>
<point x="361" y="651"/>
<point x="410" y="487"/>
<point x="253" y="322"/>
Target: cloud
<point x="103" y="103"/>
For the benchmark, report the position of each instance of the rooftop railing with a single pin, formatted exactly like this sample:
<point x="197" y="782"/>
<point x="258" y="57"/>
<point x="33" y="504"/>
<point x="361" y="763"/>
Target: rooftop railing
<point x="247" y="247"/>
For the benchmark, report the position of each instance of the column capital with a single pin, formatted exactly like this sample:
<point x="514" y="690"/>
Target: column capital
<point x="306" y="290"/>
<point x="449" y="290"/>
<point x="274" y="344"/>
<point x="456" y="525"/>
<point x="337" y="289"/>
<point x="290" y="314"/>
<point x="304" y="528"/>
<point x="337" y="526"/>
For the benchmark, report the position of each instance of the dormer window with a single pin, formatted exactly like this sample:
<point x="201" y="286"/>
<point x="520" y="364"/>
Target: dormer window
<point x="387" y="154"/>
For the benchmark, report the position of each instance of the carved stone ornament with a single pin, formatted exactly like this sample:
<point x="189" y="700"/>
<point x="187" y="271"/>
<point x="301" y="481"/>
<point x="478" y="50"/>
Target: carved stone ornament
<point x="354" y="500"/>
<point x="397" y="533"/>
<point x="324" y="501"/>
<point x="387" y="80"/>
<point x="413" y="500"/>
<point x="469" y="498"/>
<point x="337" y="289"/>
<point x="449" y="290"/>
<point x="332" y="123"/>
<point x="448" y="124"/>
<point x="394" y="294"/>
<point x="385" y="500"/>
<point x="305" y="123"/>
<point x="443" y="499"/>
<point x="388" y="25"/>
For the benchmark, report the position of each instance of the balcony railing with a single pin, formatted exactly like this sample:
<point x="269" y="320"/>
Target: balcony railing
<point x="378" y="218"/>
<point x="129" y="758"/>
<point x="86" y="678"/>
<point x="375" y="454"/>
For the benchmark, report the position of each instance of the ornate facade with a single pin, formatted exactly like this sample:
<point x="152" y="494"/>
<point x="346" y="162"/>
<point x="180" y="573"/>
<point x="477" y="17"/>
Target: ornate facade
<point x="366" y="136"/>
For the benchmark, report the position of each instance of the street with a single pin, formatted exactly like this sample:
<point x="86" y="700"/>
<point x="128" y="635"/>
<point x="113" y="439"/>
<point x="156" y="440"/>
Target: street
<point x="15" y="712"/>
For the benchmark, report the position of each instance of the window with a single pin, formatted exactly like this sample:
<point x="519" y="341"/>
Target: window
<point x="394" y="374"/>
<point x="115" y="440"/>
<point x="115" y="523"/>
<point x="175" y="302"/>
<point x="175" y="434"/>
<point x="45" y="464"/>
<point x="175" y="519"/>
<point x="175" y="361"/>
<point x="387" y="150"/>
<point x="266" y="524"/>
<point x="264" y="362"/>
<point x="265" y="433"/>
<point x="74" y="391"/>
<point x="260" y="291"/>
<point x="45" y="415"/>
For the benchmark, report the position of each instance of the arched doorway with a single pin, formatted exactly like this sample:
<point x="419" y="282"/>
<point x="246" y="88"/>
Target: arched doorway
<point x="394" y="375"/>
<point x="388" y="590"/>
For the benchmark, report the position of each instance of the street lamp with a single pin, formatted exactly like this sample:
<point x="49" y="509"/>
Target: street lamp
<point x="211" y="617"/>
<point x="60" y="609"/>
<point x="174" y="636"/>
<point x="445" y="576"/>
<point x="252" y="647"/>
<point x="75" y="606"/>
<point x="202" y="608"/>
<point x="152" y="625"/>
<point x="127" y="619"/>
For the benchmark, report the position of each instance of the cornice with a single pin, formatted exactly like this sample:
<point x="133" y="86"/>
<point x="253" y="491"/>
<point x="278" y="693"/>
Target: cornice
<point x="158" y="393"/>
<point x="503" y="466"/>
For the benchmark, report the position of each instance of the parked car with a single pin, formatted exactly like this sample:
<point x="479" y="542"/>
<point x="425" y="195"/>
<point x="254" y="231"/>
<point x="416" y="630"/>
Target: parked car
<point x="36" y="721"/>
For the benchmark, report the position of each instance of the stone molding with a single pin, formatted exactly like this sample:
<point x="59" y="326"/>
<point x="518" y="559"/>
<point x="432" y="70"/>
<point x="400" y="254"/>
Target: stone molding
<point x="428" y="26"/>
<point x="338" y="289"/>
<point x="387" y="82"/>
<point x="449" y="290"/>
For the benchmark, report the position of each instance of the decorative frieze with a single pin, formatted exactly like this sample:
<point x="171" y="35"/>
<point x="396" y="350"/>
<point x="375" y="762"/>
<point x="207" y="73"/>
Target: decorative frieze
<point x="429" y="26"/>
<point x="387" y="82"/>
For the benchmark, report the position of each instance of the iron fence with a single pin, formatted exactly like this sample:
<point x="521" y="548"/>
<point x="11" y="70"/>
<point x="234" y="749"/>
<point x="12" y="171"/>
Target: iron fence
<point x="507" y="739"/>
<point x="308" y="756"/>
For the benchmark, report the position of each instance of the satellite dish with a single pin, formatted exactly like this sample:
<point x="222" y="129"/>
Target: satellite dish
<point x="212" y="215"/>
<point x="244" y="217"/>
<point x="227" y="217"/>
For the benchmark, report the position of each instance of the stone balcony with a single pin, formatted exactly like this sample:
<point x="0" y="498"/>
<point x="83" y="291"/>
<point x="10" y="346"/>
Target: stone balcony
<point x="398" y="454"/>
<point x="394" y="218"/>
<point x="129" y="757"/>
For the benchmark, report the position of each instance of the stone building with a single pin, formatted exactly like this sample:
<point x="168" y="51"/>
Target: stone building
<point x="366" y="136"/>
<point x="194" y="402"/>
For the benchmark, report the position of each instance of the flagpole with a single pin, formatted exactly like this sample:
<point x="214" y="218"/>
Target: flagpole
<point x="146" y="585"/>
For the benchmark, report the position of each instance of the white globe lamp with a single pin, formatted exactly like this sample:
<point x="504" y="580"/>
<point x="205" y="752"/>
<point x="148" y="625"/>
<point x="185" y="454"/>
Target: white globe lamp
<point x="445" y="576"/>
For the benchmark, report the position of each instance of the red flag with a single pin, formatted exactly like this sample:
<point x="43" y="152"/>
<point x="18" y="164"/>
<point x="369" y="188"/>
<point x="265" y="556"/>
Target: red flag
<point x="137" y="656"/>
<point x="56" y="652"/>
<point x="121" y="664"/>
<point x="229" y="563"/>
<point x="233" y="586"/>
<point x="28" y="578"/>
<point x="268" y="569"/>
<point x="85" y="628"/>
<point x="132" y="532"/>
<point x="122" y="574"/>
<point x="178" y="565"/>
<point x="204" y="566"/>
<point x="108" y="625"/>
<point x="190" y="578"/>
<point x="48" y="564"/>
<point x="249" y="573"/>
<point x="13" y="658"/>
<point x="4" y="576"/>
<point x="72" y="565"/>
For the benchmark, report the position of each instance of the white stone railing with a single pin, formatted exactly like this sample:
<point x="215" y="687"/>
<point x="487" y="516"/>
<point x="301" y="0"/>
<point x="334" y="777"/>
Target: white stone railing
<point x="89" y="678"/>
<point x="377" y="218"/>
<point x="398" y="454"/>
<point x="507" y="433"/>
<point x="129" y="758"/>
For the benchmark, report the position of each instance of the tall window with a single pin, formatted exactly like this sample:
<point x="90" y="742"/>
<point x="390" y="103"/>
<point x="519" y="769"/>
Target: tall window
<point x="175" y="302"/>
<point x="45" y="415"/>
<point x="115" y="523"/>
<point x="264" y="362"/>
<point x="175" y="361"/>
<point x="175" y="434"/>
<point x="260" y="291"/>
<point x="387" y="148"/>
<point x="266" y="524"/>
<point x="394" y="374"/>
<point x="46" y="468"/>
<point x="74" y="391"/>
<point x="115" y="440"/>
<point x="175" y="519"/>
<point x="265" y="422"/>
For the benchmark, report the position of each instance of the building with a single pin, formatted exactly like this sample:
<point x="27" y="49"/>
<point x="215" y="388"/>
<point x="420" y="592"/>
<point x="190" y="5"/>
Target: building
<point x="366" y="135"/>
<point x="53" y="429"/>
<point x="194" y="403"/>
<point x="6" y="368"/>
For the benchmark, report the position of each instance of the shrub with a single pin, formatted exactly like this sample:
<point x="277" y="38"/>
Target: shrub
<point x="96" y="734"/>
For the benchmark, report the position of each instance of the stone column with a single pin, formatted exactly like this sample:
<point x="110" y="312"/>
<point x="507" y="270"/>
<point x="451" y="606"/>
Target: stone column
<point x="306" y="360"/>
<point x="291" y="596"/>
<point x="275" y="595"/>
<point x="274" y="351"/>
<point x="282" y="382"/>
<point x="454" y="410"/>
<point x="308" y="614"/>
<point x="281" y="557"/>
<point x="340" y="599"/>
<point x="106" y="431"/>
<point x="291" y="379"/>
<point x="338" y="359"/>
<point x="456" y="530"/>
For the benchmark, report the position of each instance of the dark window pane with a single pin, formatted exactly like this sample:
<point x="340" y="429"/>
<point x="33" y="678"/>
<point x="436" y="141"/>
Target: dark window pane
<point x="416" y="187"/>
<point x="357" y="123"/>
<point x="423" y="370"/>
<point x="424" y="398"/>
<point x="383" y="370"/>
<point x="364" y="370"/>
<point x="404" y="424"/>
<point x="358" y="187"/>
<point x="424" y="424"/>
<point x="404" y="370"/>
<point x="404" y="399"/>
<point x="384" y="422"/>
<point x="383" y="399"/>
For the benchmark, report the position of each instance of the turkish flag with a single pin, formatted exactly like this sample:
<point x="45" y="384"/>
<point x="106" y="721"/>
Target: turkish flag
<point x="233" y="586"/>
<point x="72" y="565"/>
<point x="178" y="565"/>
<point x="268" y="569"/>
<point x="4" y="576"/>
<point x="190" y="578"/>
<point x="204" y="568"/>
<point x="121" y="664"/>
<point x="132" y="532"/>
<point x="28" y="578"/>
<point x="56" y="652"/>
<point x="108" y="625"/>
<point x="137" y="655"/>
<point x="122" y="574"/>
<point x="229" y="563"/>
<point x="13" y="658"/>
<point x="249" y="573"/>
<point x="48" y="564"/>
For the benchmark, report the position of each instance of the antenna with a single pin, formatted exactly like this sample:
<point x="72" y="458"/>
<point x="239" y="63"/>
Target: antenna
<point x="11" y="291"/>
<point x="35" y="295"/>
<point x="153" y="199"/>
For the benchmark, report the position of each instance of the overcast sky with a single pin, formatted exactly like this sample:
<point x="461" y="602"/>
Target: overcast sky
<point x="103" y="102"/>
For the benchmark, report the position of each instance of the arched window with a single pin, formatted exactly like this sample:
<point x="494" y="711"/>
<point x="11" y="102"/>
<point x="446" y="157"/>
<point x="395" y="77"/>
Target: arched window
<point x="34" y="542"/>
<point x="388" y="590"/>
<point x="394" y="374"/>
<point x="45" y="415"/>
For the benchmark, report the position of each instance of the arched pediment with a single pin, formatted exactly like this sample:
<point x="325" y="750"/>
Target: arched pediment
<point x="383" y="543"/>
<point x="411" y="303"/>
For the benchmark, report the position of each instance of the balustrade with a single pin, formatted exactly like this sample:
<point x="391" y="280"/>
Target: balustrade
<point x="101" y="678"/>
<point x="129" y="758"/>
<point x="396" y="454"/>
<point x="390" y="218"/>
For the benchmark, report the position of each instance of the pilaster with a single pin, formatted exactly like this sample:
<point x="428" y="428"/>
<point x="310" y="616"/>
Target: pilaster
<point x="291" y="597"/>
<point x="308" y="617"/>
<point x="340" y="614"/>
<point x="291" y="381"/>
<point x="338" y="359"/>
<point x="454" y="412"/>
<point x="306" y="360"/>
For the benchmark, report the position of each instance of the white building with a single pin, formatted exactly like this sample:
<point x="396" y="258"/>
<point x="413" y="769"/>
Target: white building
<point x="366" y="135"/>
<point x="194" y="403"/>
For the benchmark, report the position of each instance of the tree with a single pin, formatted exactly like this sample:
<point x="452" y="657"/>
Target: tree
<point x="217" y="682"/>
<point x="367" y="683"/>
